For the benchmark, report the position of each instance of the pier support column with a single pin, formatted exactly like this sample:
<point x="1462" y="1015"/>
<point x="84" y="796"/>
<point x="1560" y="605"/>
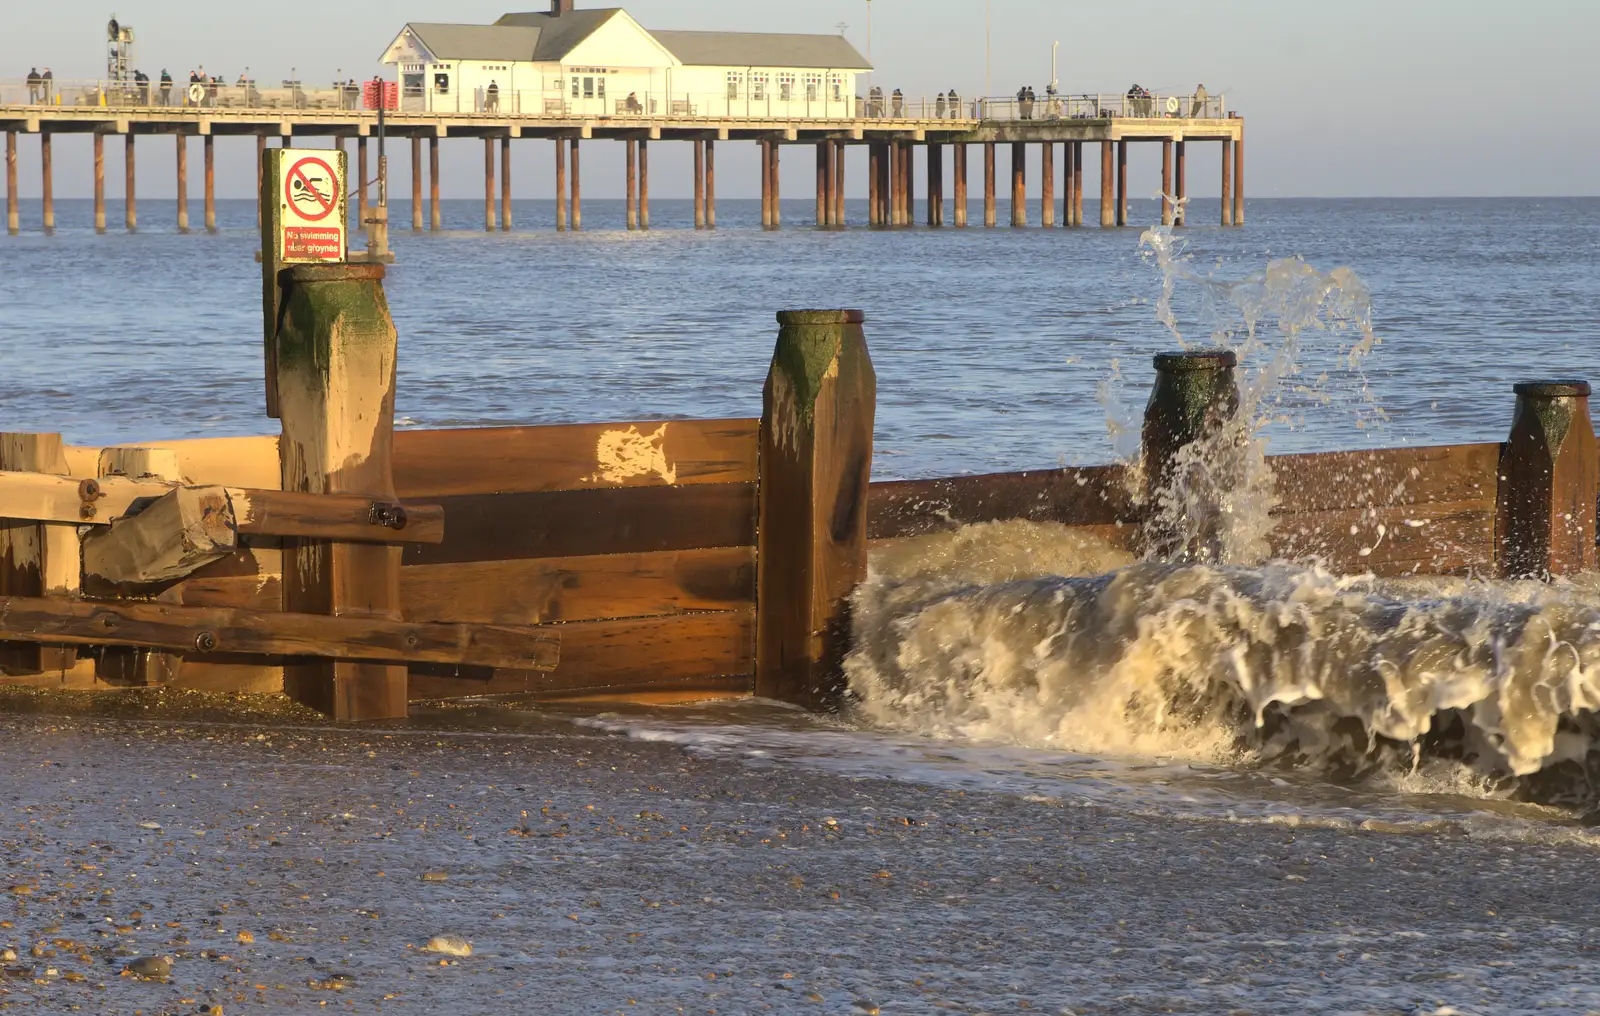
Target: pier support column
<point x="775" y="192"/>
<point x="1238" y="178"/>
<point x="766" y="184"/>
<point x="711" y="184"/>
<point x="824" y="160"/>
<point x="897" y="181"/>
<point x="989" y="216"/>
<point x="935" y="184"/>
<point x="416" y="185"/>
<point x="959" y="158"/>
<point x="261" y="169"/>
<point x="1077" y="183"/>
<point x="1549" y="477"/>
<point x="1227" y="183"/>
<point x="335" y="371"/>
<point x="1122" y="183"/>
<point x="488" y="185"/>
<point x="434" y="212"/>
<point x="130" y="205"/>
<point x="908" y="165"/>
<point x="361" y="185"/>
<point x="644" y="183"/>
<point x="815" y="464"/>
<point x="1108" y="180"/>
<point x="182" y="144"/>
<point x="1195" y="394"/>
<point x="210" y="149"/>
<point x="1019" y="184"/>
<point x="505" y="184"/>
<point x="830" y="173"/>
<point x="700" y="185"/>
<point x="1166" y="182"/>
<point x="1047" y="180"/>
<point x="561" y="186"/>
<point x="839" y="183"/>
<point x="47" y="180"/>
<point x="873" y="157"/>
<point x="99" y="182"/>
<point x="13" y="212"/>
<point x="1180" y="182"/>
<point x="630" y="182"/>
<point x="1069" y="183"/>
<point x="577" y="188"/>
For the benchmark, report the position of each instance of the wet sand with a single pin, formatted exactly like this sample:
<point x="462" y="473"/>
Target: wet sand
<point x="593" y="873"/>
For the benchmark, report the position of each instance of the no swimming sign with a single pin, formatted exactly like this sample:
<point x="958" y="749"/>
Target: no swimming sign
<point x="308" y="188"/>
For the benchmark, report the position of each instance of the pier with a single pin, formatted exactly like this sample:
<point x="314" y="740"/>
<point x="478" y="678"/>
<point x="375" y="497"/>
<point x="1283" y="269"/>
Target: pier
<point x="923" y="130"/>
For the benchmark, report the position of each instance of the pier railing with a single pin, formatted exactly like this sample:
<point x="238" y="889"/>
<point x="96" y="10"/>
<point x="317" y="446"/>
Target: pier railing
<point x="746" y="103"/>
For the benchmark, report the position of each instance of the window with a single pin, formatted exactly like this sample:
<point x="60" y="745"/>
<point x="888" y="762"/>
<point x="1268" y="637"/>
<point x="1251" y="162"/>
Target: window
<point x="588" y="88"/>
<point x="758" y="86"/>
<point x="735" y="82"/>
<point x="813" y="87"/>
<point x="836" y="86"/>
<point x="441" y="84"/>
<point x="600" y="87"/>
<point x="574" y="88"/>
<point x="786" y="87"/>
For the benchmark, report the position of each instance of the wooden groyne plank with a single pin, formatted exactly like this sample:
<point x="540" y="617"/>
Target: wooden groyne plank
<point x="35" y="559"/>
<point x="690" y="650"/>
<point x="583" y="523"/>
<point x="225" y="630"/>
<point x="1324" y="481"/>
<point x="1088" y="496"/>
<point x="434" y="463"/>
<point x="544" y="590"/>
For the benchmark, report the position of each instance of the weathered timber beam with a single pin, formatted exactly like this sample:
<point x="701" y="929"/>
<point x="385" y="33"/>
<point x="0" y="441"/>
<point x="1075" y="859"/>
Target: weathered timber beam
<point x="185" y="530"/>
<point x="47" y="498"/>
<point x="226" y="630"/>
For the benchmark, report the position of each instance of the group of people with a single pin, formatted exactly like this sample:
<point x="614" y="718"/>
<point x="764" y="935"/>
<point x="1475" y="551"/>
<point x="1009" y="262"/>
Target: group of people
<point x="41" y="87"/>
<point x="947" y="104"/>
<point x="1027" y="103"/>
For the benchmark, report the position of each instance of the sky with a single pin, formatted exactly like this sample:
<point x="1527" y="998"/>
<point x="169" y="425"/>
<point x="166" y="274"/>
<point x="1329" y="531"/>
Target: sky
<point x="1359" y="98"/>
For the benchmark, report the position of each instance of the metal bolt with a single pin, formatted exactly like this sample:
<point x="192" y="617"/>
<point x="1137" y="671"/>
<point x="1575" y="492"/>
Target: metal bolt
<point x="89" y="490"/>
<point x="389" y="516"/>
<point x="205" y="642"/>
<point x="87" y="511"/>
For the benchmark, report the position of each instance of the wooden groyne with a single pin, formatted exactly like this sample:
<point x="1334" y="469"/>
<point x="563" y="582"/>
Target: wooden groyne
<point x="357" y="569"/>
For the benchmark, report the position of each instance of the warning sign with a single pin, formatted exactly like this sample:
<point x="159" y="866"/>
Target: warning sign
<point x="311" y="206"/>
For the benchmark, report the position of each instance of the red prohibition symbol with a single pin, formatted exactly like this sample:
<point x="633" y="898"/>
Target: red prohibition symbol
<point x="312" y="189"/>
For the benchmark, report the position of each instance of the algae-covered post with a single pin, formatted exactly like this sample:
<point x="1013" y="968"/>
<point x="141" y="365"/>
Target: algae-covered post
<point x="336" y="371"/>
<point x="1545" y="517"/>
<point x="816" y="462"/>
<point x="1193" y="397"/>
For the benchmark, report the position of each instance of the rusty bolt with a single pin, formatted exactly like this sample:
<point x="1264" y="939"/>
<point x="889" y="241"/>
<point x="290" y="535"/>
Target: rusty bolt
<point x="389" y="516"/>
<point x="89" y="490"/>
<point x="205" y="642"/>
<point x="87" y="511"/>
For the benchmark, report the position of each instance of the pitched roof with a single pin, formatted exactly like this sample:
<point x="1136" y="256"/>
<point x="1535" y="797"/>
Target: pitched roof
<point x="762" y="49"/>
<point x="477" y="42"/>
<point x="558" y="36"/>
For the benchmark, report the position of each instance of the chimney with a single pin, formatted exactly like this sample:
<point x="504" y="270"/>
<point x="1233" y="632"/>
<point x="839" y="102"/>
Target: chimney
<point x="560" y="7"/>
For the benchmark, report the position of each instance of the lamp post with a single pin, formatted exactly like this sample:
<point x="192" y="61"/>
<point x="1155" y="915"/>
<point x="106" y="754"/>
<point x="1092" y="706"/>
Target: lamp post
<point x="869" y="47"/>
<point x="988" y="48"/>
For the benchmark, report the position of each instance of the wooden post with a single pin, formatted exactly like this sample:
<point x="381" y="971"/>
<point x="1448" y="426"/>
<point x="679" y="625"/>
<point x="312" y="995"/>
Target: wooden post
<point x="36" y="559"/>
<point x="630" y="182"/>
<point x="830" y="174"/>
<point x="644" y="183"/>
<point x="1194" y="395"/>
<point x="700" y="185"/>
<point x="1549" y="480"/>
<point x="181" y="142"/>
<point x="711" y="183"/>
<point x="261" y="168"/>
<point x="129" y="204"/>
<point x="561" y="186"/>
<point x="1227" y="183"/>
<point x="13" y="212"/>
<point x="1166" y="182"/>
<point x="1019" y="184"/>
<point x="1069" y="182"/>
<point x="935" y="159"/>
<point x="99" y="182"/>
<point x="577" y="188"/>
<point x="122" y="665"/>
<point x="416" y="183"/>
<point x="839" y="150"/>
<point x="1122" y="183"/>
<point x="488" y="185"/>
<point x="1238" y="178"/>
<point x="211" y="182"/>
<point x="777" y="186"/>
<point x="816" y="461"/>
<point x="988" y="184"/>
<point x="361" y="182"/>
<point x="896" y="183"/>
<point x="349" y="213"/>
<point x="1180" y="214"/>
<point x="961" y="184"/>
<point x="824" y="161"/>
<point x="336" y="371"/>
<point x="505" y="184"/>
<point x="1047" y="180"/>
<point x="766" y="183"/>
<point x="873" y="157"/>
<point x="1108" y="178"/>
<point x="47" y="181"/>
<point x="434" y="214"/>
<point x="1077" y="183"/>
<point x="908" y="190"/>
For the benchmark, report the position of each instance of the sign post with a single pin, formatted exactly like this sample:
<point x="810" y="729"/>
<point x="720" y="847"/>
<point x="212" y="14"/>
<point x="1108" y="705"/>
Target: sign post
<point x="303" y="199"/>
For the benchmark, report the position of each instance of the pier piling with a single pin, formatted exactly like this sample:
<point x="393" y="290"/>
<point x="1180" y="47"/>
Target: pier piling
<point x="361" y="182"/>
<point x="99" y="182"/>
<point x="488" y="185"/>
<point x="989" y="216"/>
<point x="13" y="213"/>
<point x="874" y="159"/>
<point x="1238" y="178"/>
<point x="1108" y="201"/>
<point x="700" y="185"/>
<point x="935" y="184"/>
<point x="1047" y="181"/>
<point x="335" y="368"/>
<point x="630" y="182"/>
<point x="1122" y="183"/>
<point x="1019" y="184"/>
<point x="1180" y="180"/>
<point x="824" y="161"/>
<point x="711" y="183"/>
<point x="577" y="188"/>
<point x="644" y="183"/>
<point x="47" y="181"/>
<point x="1166" y="182"/>
<point x="416" y="184"/>
<point x="959" y="157"/>
<point x="129" y="201"/>
<point x="839" y="218"/>
<point x="181" y="142"/>
<point x="211" y="182"/>
<point x="433" y="183"/>
<point x="561" y="186"/>
<point x="505" y="184"/>
<point x="1194" y="395"/>
<point x="1227" y="184"/>
<point x="1549" y="480"/>
<point x="815" y="465"/>
<point x="1077" y="183"/>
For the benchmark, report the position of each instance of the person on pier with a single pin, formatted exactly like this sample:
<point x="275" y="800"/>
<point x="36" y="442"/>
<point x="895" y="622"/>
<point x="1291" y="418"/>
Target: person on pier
<point x="46" y="86"/>
<point x="955" y="105"/>
<point x="899" y="101"/>
<point x="491" y="101"/>
<point x="166" y="87"/>
<point x="35" y="83"/>
<point x="875" y="102"/>
<point x="633" y="105"/>
<point x="1198" y="110"/>
<point x="938" y="107"/>
<point x="141" y="84"/>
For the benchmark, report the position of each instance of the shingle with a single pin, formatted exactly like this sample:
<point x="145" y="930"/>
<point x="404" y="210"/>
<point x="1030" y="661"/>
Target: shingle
<point x="762" y="49"/>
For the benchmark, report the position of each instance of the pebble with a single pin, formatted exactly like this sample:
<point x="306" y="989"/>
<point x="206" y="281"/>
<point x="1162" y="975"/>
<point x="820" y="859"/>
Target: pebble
<point x="435" y="876"/>
<point x="151" y="966"/>
<point x="448" y="945"/>
<point x="245" y="938"/>
<point x="865" y="1006"/>
<point x="150" y="825"/>
<point x="8" y="955"/>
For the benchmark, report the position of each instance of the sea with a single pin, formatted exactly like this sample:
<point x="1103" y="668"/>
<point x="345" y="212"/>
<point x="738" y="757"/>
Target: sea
<point x="1067" y="781"/>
